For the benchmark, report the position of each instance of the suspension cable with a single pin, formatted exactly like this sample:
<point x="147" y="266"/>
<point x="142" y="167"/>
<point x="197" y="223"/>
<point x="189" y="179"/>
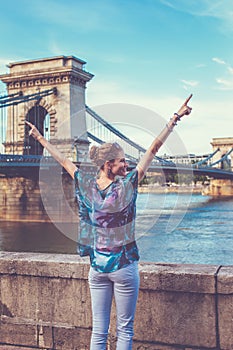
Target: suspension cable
<point x="20" y="98"/>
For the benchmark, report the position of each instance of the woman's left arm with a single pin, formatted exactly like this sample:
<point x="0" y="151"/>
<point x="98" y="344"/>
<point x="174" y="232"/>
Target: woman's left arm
<point x="146" y="160"/>
<point x="55" y="153"/>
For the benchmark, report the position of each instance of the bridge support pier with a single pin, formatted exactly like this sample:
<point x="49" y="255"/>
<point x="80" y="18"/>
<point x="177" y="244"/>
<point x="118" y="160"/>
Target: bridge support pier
<point x="219" y="187"/>
<point x="21" y="200"/>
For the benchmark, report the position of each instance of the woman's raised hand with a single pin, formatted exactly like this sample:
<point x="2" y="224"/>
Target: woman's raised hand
<point x="185" y="109"/>
<point x="34" y="131"/>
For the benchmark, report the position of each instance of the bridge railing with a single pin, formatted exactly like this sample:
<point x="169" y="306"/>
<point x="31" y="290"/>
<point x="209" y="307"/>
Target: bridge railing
<point x="24" y="159"/>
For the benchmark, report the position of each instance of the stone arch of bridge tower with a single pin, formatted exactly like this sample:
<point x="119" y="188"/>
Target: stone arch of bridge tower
<point x="226" y="163"/>
<point x="50" y="110"/>
<point x="36" y="113"/>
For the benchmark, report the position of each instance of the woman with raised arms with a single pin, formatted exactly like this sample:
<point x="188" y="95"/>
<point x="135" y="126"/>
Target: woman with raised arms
<point x="107" y="210"/>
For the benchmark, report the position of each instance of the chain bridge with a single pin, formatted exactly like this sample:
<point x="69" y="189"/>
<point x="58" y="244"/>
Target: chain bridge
<point x="50" y="93"/>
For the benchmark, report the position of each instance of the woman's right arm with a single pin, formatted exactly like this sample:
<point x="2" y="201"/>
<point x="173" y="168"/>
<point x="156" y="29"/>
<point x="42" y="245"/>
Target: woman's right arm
<point x="147" y="158"/>
<point x="65" y="162"/>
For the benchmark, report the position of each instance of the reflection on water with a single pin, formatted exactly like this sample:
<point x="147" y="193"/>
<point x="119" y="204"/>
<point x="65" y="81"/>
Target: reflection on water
<point x="169" y="228"/>
<point x="34" y="237"/>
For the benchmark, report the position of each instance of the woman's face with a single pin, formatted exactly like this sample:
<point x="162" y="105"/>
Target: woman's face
<point x="119" y="165"/>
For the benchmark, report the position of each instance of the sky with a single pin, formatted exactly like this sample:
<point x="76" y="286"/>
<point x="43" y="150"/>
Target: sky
<point x="146" y="53"/>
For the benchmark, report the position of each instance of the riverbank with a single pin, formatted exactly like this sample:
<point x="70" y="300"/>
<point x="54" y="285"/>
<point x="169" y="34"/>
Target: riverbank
<point x="198" y="189"/>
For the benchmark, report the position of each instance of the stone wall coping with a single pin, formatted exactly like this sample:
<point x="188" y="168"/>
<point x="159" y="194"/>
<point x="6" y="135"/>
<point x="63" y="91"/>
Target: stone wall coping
<point x="225" y="280"/>
<point x="42" y="264"/>
<point x="190" y="278"/>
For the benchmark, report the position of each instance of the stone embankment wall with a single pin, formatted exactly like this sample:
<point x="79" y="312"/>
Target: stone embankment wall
<point x="30" y="199"/>
<point x="45" y="304"/>
<point x="20" y="200"/>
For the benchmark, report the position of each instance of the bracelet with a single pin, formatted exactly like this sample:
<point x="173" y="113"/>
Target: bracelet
<point x="174" y="122"/>
<point x="178" y="116"/>
<point x="39" y="137"/>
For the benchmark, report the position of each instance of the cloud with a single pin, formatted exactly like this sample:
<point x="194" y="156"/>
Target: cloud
<point x="218" y="60"/>
<point x="191" y="83"/>
<point x="221" y="10"/>
<point x="230" y="69"/>
<point x="4" y="62"/>
<point x="167" y="3"/>
<point x="201" y="65"/>
<point x="225" y="84"/>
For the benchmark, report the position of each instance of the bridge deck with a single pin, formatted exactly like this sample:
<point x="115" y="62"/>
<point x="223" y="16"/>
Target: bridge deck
<point x="15" y="162"/>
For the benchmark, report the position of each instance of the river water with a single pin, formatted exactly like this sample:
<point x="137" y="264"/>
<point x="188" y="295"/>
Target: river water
<point x="170" y="227"/>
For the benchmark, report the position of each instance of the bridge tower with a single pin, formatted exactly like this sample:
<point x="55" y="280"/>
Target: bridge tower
<point x="220" y="187"/>
<point x="59" y="116"/>
<point x="224" y="145"/>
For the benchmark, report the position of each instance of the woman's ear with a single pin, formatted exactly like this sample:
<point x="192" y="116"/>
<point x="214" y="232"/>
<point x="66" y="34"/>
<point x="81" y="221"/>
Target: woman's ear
<point x="107" y="166"/>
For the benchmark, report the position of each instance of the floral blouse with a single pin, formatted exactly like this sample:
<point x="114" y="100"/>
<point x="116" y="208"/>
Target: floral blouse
<point x="107" y="221"/>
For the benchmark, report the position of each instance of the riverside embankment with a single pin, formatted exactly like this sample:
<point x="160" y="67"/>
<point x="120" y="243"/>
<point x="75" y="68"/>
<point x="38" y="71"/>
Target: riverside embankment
<point x="171" y="189"/>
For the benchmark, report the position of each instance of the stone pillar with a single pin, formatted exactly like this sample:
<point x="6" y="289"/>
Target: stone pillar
<point x="220" y="187"/>
<point x="224" y="145"/>
<point x="66" y="108"/>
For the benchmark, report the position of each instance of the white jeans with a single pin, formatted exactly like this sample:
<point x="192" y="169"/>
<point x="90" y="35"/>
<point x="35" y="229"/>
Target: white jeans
<point x="124" y="285"/>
